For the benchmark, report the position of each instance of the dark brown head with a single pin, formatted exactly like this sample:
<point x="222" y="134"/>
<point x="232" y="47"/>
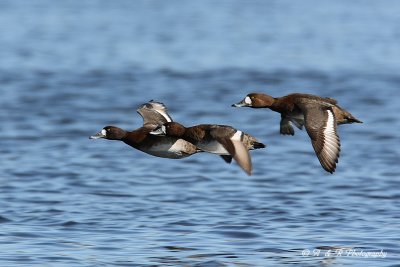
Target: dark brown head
<point x="256" y="100"/>
<point x="110" y="133"/>
<point x="173" y="129"/>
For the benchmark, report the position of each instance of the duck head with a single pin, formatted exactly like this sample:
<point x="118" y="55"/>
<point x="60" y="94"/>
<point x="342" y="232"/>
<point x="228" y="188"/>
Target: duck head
<point x="110" y="133"/>
<point x="256" y="100"/>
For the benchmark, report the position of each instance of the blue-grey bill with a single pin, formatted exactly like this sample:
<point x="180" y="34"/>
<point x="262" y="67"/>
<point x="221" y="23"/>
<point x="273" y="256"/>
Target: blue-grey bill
<point x="98" y="135"/>
<point x="240" y="104"/>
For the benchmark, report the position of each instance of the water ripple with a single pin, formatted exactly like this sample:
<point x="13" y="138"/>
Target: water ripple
<point x="70" y="201"/>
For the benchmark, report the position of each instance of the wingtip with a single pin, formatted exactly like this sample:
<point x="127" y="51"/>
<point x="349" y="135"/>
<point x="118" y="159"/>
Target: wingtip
<point x="330" y="169"/>
<point x="242" y="156"/>
<point x="247" y="169"/>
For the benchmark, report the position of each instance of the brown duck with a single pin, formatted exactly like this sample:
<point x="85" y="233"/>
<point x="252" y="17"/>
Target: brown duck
<point x="319" y="115"/>
<point x="222" y="140"/>
<point x="154" y="114"/>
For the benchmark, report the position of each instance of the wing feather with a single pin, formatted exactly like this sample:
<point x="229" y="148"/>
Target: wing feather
<point x="320" y="123"/>
<point x="235" y="147"/>
<point x="154" y="114"/>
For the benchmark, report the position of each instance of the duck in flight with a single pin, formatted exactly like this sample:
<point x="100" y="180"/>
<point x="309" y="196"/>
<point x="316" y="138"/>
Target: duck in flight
<point x="222" y="140"/>
<point x="319" y="115"/>
<point x="154" y="114"/>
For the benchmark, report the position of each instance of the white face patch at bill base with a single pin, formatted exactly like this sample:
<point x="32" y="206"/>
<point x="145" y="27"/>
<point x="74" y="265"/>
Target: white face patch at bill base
<point x="104" y="132"/>
<point x="247" y="100"/>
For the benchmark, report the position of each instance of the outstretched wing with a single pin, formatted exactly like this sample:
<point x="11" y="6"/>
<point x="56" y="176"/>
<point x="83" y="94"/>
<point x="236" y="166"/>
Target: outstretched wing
<point x="154" y="113"/>
<point x="320" y="123"/>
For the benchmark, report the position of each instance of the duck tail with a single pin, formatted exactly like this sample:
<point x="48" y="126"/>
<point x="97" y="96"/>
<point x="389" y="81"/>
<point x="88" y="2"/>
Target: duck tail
<point x="352" y="120"/>
<point x="257" y="145"/>
<point x="343" y="116"/>
<point x="252" y="143"/>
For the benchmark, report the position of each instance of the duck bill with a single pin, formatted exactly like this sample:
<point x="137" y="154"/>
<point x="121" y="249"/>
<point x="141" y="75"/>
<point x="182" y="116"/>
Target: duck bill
<point x="240" y="104"/>
<point x="99" y="135"/>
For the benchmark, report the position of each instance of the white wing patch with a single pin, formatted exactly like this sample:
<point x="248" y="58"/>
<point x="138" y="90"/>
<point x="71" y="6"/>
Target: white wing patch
<point x="165" y="115"/>
<point x="331" y="141"/>
<point x="162" y="110"/>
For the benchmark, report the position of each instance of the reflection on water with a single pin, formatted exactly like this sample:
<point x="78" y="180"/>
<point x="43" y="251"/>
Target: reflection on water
<point x="71" y="68"/>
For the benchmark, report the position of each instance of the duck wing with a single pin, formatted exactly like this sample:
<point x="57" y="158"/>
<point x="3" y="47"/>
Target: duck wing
<point x="286" y="126"/>
<point x="154" y="113"/>
<point x="234" y="145"/>
<point x="320" y="123"/>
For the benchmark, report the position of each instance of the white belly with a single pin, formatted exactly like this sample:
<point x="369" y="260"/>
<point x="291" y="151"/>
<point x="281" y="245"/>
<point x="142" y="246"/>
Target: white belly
<point x="175" y="149"/>
<point x="213" y="147"/>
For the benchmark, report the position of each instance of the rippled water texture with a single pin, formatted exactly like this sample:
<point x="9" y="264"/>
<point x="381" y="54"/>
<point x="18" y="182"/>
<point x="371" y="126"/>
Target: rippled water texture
<point x="68" y="68"/>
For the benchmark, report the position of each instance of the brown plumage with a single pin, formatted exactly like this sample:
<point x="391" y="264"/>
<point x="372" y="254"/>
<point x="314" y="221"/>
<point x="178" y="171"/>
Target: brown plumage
<point x="319" y="115"/>
<point x="222" y="140"/>
<point x="153" y="114"/>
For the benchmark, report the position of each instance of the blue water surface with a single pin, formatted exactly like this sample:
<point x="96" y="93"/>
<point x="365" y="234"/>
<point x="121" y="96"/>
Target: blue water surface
<point x="68" y="68"/>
